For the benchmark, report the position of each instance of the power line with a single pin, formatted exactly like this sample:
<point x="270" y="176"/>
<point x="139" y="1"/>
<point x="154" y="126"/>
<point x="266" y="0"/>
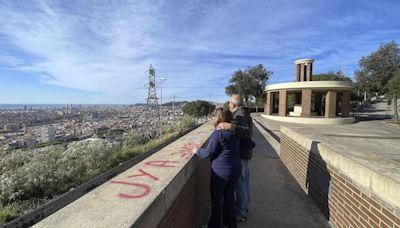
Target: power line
<point x="128" y="90"/>
<point x="152" y="108"/>
<point x="104" y="93"/>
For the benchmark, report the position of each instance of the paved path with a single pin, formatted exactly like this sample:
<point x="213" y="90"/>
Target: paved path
<point x="277" y="199"/>
<point x="374" y="111"/>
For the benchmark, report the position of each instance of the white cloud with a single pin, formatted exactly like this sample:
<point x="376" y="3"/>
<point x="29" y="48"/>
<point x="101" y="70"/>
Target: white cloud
<point x="106" y="46"/>
<point x="88" y="52"/>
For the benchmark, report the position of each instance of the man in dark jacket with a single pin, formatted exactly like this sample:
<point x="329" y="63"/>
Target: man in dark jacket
<point x="242" y="126"/>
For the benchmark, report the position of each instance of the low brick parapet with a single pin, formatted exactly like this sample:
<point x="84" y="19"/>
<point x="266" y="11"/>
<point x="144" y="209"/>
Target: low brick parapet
<point x="147" y="194"/>
<point x="352" y="188"/>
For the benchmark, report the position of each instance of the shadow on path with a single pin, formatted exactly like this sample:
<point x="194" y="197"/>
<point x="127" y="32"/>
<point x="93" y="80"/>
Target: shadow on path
<point x="318" y="180"/>
<point x="277" y="199"/>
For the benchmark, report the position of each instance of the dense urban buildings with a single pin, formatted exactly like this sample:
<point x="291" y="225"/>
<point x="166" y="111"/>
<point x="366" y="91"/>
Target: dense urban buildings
<point x="27" y="127"/>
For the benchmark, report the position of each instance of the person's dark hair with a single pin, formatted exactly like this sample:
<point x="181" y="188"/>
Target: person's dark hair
<point x="222" y="115"/>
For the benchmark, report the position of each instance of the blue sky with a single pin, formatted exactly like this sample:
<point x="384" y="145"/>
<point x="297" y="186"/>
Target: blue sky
<point x="87" y="51"/>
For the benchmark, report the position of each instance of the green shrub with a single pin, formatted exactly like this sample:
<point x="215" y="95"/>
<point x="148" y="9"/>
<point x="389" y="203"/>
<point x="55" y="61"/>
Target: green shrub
<point x="7" y="213"/>
<point x="135" y="139"/>
<point x="30" y="177"/>
<point x="188" y="122"/>
<point x="198" y="108"/>
<point x="12" y="210"/>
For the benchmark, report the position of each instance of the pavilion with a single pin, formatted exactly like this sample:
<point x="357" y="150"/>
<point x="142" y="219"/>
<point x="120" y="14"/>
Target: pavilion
<point x="307" y="101"/>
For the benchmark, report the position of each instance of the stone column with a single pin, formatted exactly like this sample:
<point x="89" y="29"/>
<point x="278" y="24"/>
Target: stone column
<point x="346" y="96"/>
<point x="282" y="102"/>
<point x="269" y="103"/>
<point x="330" y="104"/>
<point x="302" y="72"/>
<point x="298" y="69"/>
<point x="309" y="72"/>
<point x="306" y="102"/>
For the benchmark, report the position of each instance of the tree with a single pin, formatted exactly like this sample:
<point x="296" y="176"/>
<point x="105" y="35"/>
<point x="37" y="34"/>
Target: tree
<point x="198" y="108"/>
<point x="378" y="68"/>
<point x="226" y="105"/>
<point x="188" y="122"/>
<point x="231" y="89"/>
<point x="331" y="76"/>
<point x="250" y="82"/>
<point x="394" y="93"/>
<point x="241" y="83"/>
<point x="260" y="76"/>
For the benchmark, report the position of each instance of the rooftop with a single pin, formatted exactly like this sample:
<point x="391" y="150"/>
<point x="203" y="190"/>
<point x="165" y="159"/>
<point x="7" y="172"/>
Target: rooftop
<point x="315" y="85"/>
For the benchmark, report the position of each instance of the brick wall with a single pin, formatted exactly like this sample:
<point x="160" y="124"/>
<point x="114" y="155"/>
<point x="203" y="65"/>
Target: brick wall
<point x="343" y="202"/>
<point x="188" y="206"/>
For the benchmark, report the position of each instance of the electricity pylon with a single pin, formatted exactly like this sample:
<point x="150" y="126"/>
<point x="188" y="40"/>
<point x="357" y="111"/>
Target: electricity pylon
<point x="152" y="108"/>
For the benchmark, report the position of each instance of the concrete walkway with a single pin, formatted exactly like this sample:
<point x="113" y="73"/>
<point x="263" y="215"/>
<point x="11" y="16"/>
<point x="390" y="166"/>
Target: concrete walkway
<point x="277" y="200"/>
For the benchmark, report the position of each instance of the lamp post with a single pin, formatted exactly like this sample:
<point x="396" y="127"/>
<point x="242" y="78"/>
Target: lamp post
<point x="161" y="125"/>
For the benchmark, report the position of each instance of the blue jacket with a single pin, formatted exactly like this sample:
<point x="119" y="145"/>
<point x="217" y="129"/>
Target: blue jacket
<point x="223" y="151"/>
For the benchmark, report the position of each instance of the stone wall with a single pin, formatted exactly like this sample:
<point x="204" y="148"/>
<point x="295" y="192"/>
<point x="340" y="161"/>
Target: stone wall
<point x="190" y="205"/>
<point x="163" y="190"/>
<point x="342" y="199"/>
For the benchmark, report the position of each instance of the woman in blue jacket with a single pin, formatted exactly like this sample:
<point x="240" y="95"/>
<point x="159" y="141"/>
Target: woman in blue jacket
<point x="223" y="151"/>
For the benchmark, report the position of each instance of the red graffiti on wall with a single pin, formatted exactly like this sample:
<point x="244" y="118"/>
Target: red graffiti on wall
<point x="161" y="163"/>
<point x="144" y="173"/>
<point x="185" y="152"/>
<point x="145" y="187"/>
<point x="190" y="146"/>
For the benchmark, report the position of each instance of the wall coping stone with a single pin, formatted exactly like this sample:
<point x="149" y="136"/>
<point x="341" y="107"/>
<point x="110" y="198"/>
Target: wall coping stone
<point x="375" y="173"/>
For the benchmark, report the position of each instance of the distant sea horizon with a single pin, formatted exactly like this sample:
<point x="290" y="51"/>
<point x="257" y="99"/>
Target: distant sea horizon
<point x="52" y="106"/>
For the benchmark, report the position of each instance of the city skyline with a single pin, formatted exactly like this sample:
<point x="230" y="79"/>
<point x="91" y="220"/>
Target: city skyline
<point x="87" y="53"/>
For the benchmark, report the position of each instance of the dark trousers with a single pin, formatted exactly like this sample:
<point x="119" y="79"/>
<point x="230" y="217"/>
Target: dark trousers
<point x="222" y="202"/>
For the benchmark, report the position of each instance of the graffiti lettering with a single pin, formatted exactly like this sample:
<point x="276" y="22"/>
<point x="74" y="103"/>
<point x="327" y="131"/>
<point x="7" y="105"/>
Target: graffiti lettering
<point x="184" y="154"/>
<point x="144" y="173"/>
<point x="186" y="150"/>
<point x="190" y="146"/>
<point x="145" y="187"/>
<point x="161" y="163"/>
